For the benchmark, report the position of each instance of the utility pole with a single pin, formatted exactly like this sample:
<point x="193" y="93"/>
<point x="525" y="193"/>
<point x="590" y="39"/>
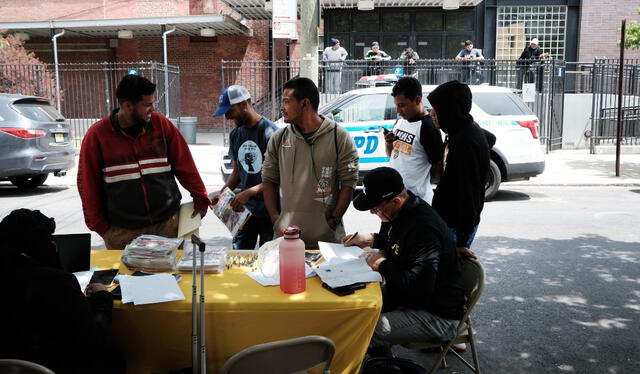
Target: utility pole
<point x="310" y="20"/>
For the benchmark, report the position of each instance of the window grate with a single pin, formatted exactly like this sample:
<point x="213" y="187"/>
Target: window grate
<point x="517" y="25"/>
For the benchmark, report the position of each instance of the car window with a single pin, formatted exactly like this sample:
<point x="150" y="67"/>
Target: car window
<point x="376" y="107"/>
<point x="500" y="103"/>
<point x="38" y="111"/>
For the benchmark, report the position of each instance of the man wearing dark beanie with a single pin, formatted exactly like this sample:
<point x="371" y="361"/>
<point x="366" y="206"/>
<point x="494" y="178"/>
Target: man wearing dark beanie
<point x="459" y="197"/>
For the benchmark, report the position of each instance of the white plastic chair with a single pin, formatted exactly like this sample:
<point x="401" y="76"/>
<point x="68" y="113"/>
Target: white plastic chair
<point x="283" y="356"/>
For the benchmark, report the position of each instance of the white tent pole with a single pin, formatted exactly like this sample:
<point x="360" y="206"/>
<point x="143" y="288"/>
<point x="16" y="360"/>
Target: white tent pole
<point x="166" y="69"/>
<point x="55" y="62"/>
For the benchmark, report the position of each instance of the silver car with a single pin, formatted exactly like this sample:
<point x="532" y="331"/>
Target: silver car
<point x="35" y="140"/>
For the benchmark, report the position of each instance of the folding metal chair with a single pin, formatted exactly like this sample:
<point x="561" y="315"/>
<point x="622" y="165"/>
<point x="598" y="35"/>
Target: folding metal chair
<point x="473" y="284"/>
<point x="283" y="356"/>
<point x="8" y="366"/>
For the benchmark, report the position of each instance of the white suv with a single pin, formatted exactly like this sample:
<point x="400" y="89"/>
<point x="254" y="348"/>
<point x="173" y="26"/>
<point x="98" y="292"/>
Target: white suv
<point x="515" y="156"/>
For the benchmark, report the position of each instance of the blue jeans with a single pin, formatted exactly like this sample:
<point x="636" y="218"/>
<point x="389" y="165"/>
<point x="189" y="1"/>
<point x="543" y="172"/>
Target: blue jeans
<point x="454" y="235"/>
<point x="255" y="226"/>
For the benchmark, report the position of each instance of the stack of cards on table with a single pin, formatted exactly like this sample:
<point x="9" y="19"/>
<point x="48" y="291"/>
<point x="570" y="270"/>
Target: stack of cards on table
<point x="215" y="259"/>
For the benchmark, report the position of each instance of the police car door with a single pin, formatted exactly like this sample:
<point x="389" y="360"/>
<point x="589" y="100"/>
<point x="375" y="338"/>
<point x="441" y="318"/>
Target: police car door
<point x="364" y="116"/>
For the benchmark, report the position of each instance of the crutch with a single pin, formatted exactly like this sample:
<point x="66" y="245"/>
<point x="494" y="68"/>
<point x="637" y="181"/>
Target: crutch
<point x="198" y="347"/>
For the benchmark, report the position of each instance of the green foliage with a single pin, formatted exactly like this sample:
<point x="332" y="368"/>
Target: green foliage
<point x="632" y="37"/>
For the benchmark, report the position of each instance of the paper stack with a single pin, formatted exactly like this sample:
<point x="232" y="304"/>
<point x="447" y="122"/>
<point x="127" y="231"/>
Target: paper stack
<point x="344" y="265"/>
<point x="215" y="259"/>
<point x="151" y="253"/>
<point x="156" y="288"/>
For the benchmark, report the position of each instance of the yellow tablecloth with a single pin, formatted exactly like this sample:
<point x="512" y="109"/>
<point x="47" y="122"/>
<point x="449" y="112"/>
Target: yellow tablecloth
<point x="240" y="313"/>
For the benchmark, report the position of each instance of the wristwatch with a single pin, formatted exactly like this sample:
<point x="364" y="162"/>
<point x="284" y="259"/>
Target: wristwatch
<point x="336" y="220"/>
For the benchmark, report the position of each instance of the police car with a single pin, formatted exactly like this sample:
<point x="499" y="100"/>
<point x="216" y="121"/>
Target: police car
<point x="515" y="156"/>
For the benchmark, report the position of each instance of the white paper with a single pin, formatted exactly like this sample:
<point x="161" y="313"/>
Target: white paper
<point x="342" y="273"/>
<point x="275" y="280"/>
<point x="149" y="289"/>
<point x="186" y="224"/>
<point x="84" y="277"/>
<point x="338" y="252"/>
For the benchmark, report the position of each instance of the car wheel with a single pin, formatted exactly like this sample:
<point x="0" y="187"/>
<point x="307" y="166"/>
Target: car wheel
<point x="493" y="183"/>
<point x="29" y="183"/>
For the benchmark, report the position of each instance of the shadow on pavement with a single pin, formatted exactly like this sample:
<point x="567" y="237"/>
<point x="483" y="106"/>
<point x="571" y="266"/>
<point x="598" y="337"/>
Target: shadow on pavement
<point x="8" y="190"/>
<point x="555" y="306"/>
<point x="506" y="195"/>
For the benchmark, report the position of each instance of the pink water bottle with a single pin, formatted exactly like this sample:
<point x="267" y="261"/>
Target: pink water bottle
<point x="292" y="279"/>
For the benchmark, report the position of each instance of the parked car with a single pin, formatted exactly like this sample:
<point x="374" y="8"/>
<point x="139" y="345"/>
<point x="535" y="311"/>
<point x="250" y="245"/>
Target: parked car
<point x="35" y="140"/>
<point x="515" y="156"/>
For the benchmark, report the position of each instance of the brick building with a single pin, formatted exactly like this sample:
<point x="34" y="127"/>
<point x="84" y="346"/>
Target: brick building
<point x="197" y="57"/>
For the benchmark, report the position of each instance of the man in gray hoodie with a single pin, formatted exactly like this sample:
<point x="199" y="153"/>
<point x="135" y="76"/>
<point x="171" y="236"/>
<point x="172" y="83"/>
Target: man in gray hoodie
<point x="310" y="168"/>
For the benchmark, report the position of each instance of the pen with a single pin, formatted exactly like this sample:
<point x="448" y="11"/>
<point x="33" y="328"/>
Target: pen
<point x="350" y="237"/>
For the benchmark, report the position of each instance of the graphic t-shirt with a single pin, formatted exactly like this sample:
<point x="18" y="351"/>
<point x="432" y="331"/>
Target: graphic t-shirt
<point x="247" y="148"/>
<point x="419" y="145"/>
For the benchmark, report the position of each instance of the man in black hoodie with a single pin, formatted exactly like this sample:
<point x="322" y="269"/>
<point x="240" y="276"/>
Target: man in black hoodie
<point x="459" y="197"/>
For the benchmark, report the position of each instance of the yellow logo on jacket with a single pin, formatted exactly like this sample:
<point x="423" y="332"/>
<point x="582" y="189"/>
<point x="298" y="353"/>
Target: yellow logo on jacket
<point x="396" y="249"/>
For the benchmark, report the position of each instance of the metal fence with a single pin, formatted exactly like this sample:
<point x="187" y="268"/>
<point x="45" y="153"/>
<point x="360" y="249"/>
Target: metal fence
<point x="87" y="90"/>
<point x="336" y="78"/>
<point x="604" y="115"/>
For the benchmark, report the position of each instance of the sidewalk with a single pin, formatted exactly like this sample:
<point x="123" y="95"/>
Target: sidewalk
<point x="562" y="168"/>
<point x="579" y="168"/>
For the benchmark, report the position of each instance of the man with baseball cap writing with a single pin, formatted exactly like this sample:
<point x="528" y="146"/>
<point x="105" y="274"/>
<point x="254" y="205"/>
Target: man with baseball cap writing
<point x="248" y="143"/>
<point x="422" y="295"/>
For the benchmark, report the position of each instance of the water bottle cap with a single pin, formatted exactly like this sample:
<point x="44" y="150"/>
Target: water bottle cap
<point x="292" y="232"/>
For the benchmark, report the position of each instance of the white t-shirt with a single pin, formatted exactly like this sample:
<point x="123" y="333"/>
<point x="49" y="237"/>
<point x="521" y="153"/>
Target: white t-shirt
<point x="419" y="145"/>
<point x="331" y="54"/>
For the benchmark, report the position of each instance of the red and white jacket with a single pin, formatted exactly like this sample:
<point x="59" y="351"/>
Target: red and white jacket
<point x="130" y="182"/>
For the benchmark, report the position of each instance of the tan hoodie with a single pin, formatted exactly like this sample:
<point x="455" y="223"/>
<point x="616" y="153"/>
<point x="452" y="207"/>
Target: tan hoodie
<point x="310" y="174"/>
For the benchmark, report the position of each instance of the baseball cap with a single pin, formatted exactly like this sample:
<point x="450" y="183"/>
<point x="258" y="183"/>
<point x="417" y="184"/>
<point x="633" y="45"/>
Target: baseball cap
<point x="334" y="42"/>
<point x="534" y="41"/>
<point x="231" y="95"/>
<point x="375" y="44"/>
<point x="467" y="42"/>
<point x="380" y="184"/>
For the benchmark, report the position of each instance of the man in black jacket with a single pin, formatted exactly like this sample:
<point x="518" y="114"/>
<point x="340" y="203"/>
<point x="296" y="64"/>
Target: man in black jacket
<point x="422" y="295"/>
<point x="459" y="197"/>
<point x="46" y="318"/>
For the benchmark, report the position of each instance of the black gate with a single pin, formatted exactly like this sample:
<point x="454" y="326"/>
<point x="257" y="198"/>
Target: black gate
<point x="604" y="114"/>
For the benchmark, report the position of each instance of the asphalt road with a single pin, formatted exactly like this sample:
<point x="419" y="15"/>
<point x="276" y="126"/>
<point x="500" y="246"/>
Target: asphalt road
<point x="562" y="265"/>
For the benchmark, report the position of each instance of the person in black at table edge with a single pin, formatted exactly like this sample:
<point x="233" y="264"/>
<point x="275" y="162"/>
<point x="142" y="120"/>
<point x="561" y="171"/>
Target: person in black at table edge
<point x="47" y="319"/>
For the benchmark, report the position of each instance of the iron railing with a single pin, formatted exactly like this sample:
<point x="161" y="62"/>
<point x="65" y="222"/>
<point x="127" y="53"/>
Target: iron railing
<point x="87" y="90"/>
<point x="336" y="78"/>
<point x="604" y="115"/>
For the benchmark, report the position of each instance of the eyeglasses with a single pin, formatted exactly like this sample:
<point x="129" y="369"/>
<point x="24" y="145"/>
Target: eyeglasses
<point x="378" y="207"/>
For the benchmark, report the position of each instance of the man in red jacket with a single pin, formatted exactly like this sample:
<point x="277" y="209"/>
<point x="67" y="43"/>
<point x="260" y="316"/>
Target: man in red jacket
<point x="128" y="165"/>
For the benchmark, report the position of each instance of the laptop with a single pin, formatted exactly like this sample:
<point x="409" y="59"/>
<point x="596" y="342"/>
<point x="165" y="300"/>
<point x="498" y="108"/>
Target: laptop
<point x="74" y="251"/>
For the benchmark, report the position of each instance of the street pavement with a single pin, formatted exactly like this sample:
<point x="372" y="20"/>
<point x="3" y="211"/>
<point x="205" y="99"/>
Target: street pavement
<point x="562" y="167"/>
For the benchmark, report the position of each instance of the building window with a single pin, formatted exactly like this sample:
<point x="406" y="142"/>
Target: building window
<point x="517" y="25"/>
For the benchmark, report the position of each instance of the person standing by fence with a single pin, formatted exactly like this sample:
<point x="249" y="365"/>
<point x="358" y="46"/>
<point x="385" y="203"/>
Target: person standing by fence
<point x="530" y="55"/>
<point x="374" y="56"/>
<point x="333" y="57"/>
<point x="410" y="58"/>
<point x="470" y="56"/>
